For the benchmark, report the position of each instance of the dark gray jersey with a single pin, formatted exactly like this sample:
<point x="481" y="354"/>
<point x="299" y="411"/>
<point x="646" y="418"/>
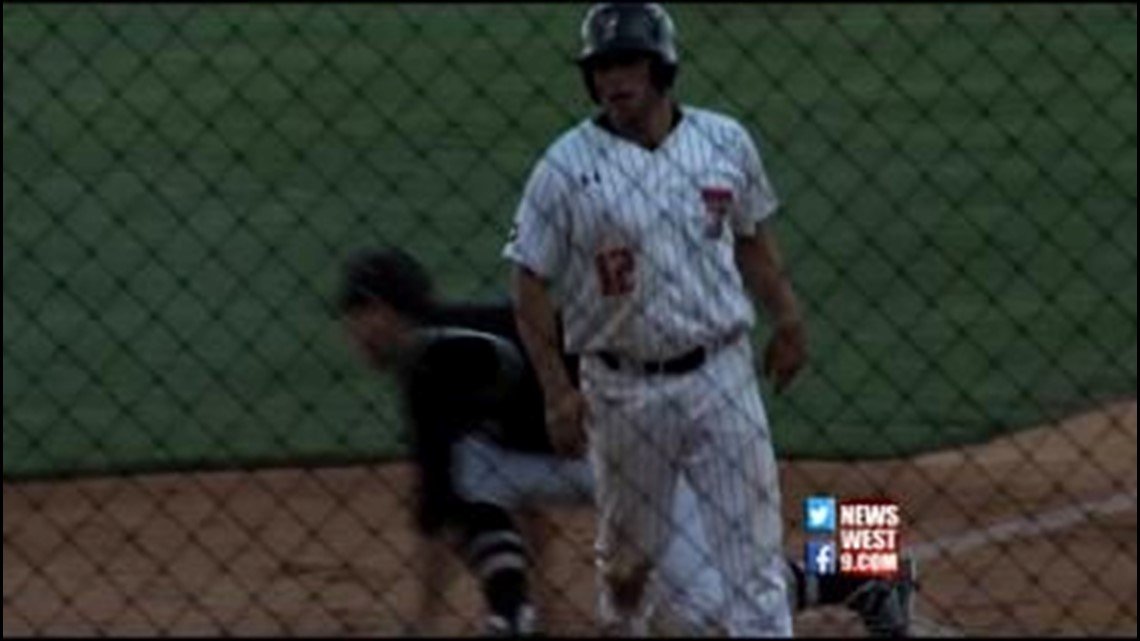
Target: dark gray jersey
<point x="468" y="373"/>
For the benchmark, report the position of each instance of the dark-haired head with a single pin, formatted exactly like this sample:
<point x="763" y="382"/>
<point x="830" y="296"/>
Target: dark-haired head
<point x="391" y="277"/>
<point x="385" y="294"/>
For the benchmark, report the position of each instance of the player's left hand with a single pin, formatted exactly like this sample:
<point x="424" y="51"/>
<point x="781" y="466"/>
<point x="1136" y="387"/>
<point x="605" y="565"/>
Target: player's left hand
<point x="566" y="414"/>
<point x="786" y="354"/>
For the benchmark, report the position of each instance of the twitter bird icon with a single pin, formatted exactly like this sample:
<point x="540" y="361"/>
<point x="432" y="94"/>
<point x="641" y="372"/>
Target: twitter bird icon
<point x="819" y="515"/>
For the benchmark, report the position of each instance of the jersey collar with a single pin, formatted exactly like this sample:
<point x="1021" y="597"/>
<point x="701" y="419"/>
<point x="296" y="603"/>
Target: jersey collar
<point x="602" y="122"/>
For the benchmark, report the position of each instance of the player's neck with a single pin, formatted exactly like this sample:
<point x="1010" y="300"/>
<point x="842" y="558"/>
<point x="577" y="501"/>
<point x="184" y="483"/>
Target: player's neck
<point x="651" y="131"/>
<point x="660" y="122"/>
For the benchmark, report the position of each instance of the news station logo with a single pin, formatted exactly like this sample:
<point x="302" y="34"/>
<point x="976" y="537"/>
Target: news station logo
<point x="858" y="537"/>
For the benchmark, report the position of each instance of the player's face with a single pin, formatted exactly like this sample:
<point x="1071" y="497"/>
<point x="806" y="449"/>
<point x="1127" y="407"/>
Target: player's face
<point x="378" y="332"/>
<point x="625" y="89"/>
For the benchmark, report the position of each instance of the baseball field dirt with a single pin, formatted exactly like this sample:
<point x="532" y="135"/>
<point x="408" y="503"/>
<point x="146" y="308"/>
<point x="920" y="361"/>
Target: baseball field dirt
<point x="1031" y="534"/>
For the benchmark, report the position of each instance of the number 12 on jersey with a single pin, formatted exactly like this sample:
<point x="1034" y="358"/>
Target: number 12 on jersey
<point x="615" y="269"/>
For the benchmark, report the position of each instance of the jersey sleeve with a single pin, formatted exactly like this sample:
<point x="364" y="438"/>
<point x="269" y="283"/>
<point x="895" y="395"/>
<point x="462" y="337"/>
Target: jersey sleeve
<point x="539" y="240"/>
<point x="432" y="435"/>
<point x="455" y="385"/>
<point x="759" y="201"/>
<point x="432" y="439"/>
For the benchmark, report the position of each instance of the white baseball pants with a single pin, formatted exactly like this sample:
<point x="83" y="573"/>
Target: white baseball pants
<point x="687" y="594"/>
<point x="708" y="427"/>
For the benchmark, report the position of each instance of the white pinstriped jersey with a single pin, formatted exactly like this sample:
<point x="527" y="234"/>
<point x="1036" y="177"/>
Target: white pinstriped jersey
<point x="638" y="244"/>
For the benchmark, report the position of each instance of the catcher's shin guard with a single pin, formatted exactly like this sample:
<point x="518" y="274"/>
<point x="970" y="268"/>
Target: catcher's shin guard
<point x="495" y="553"/>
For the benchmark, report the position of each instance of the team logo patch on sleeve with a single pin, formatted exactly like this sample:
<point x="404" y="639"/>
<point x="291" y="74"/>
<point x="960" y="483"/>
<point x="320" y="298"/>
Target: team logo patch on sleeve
<point x="718" y="205"/>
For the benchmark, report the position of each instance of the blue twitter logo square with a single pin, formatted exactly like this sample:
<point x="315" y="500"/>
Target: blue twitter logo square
<point x="820" y="558"/>
<point x="819" y="515"/>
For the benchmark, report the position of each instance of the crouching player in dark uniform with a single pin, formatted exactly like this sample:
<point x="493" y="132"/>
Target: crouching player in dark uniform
<point x="482" y="454"/>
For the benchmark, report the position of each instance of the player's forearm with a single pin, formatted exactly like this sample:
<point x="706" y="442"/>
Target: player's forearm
<point x="537" y="325"/>
<point x="762" y="268"/>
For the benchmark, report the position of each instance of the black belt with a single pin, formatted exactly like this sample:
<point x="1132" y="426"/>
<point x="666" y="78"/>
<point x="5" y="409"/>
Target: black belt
<point x="678" y="365"/>
<point x="682" y="364"/>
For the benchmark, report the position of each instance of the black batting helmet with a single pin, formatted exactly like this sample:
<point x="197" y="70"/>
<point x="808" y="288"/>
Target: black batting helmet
<point x="613" y="29"/>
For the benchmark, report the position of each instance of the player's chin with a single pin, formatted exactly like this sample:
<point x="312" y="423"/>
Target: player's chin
<point x="621" y="106"/>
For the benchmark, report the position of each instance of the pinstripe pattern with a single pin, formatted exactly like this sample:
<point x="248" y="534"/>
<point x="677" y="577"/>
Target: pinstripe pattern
<point x="594" y="191"/>
<point x="593" y="195"/>
<point x="690" y="590"/>
<point x="711" y="427"/>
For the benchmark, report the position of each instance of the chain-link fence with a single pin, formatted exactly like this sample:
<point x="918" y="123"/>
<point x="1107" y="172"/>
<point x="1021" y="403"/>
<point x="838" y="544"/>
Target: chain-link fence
<point x="191" y="446"/>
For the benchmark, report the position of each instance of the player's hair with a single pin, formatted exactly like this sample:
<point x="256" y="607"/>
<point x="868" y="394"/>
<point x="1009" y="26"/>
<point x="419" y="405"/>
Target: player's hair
<point x="390" y="276"/>
<point x="662" y="74"/>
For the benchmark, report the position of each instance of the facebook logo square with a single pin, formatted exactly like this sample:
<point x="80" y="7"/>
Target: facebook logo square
<point x="819" y="514"/>
<point x="820" y="558"/>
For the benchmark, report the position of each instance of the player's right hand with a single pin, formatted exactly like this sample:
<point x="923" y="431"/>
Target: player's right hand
<point x="786" y="354"/>
<point x="566" y="415"/>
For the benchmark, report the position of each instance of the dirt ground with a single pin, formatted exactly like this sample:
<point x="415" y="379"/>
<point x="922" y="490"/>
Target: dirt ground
<point x="1034" y="534"/>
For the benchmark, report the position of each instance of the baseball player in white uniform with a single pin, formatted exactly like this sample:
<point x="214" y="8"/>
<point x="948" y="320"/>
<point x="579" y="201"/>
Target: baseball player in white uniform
<point x="475" y="413"/>
<point x="647" y="225"/>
